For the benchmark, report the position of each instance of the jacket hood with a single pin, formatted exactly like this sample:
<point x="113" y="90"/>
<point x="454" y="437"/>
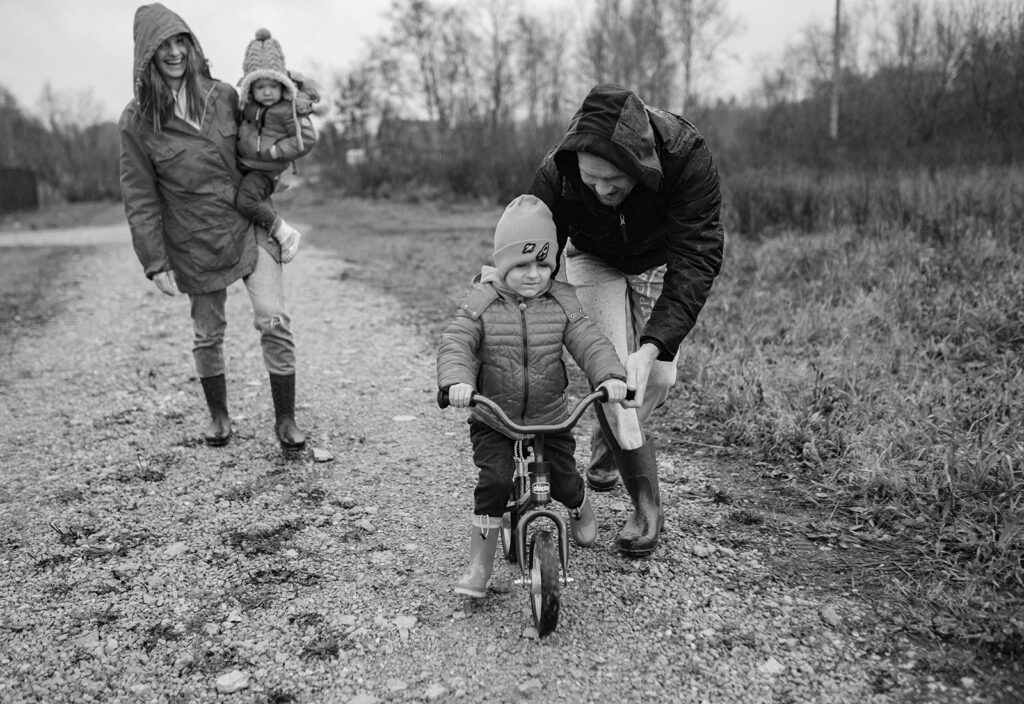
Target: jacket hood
<point x="490" y="275"/>
<point x="612" y="123"/>
<point x="155" y="24"/>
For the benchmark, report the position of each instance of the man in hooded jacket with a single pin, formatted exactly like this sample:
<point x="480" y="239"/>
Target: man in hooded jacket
<point x="636" y="202"/>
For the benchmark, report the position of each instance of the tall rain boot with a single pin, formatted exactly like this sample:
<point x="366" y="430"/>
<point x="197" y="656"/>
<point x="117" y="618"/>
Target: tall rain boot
<point x="639" y="471"/>
<point x="483" y="541"/>
<point x="215" y="389"/>
<point x="282" y="389"/>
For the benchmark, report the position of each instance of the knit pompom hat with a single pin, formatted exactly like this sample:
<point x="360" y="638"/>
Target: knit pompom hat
<point x="525" y="233"/>
<point x="264" y="59"/>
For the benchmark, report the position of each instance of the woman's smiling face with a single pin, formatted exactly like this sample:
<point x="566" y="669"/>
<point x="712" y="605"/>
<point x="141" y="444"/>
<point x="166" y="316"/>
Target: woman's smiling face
<point x="172" y="60"/>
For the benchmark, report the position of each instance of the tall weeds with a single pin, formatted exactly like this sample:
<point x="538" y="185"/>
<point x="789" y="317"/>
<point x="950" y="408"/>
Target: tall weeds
<point x="883" y="356"/>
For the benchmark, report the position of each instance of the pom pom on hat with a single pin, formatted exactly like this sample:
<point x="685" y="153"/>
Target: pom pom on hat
<point x="525" y="233"/>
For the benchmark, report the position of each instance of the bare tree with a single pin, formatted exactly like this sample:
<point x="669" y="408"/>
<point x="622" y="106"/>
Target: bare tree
<point x="438" y="43"/>
<point x="629" y="43"/>
<point x="496" y="58"/>
<point x="700" y="28"/>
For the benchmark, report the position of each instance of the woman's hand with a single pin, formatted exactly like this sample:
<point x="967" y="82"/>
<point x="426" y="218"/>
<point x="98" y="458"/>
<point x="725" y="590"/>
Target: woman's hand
<point x="166" y="282"/>
<point x="459" y="395"/>
<point x="616" y="390"/>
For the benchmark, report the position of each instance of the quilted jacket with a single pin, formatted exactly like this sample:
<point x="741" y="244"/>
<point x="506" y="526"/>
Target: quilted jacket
<point x="672" y="215"/>
<point x="262" y="127"/>
<point x="510" y="350"/>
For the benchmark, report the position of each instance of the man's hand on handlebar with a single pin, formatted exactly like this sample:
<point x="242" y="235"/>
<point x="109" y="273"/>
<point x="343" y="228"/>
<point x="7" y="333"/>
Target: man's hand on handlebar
<point x="638" y="368"/>
<point x="616" y="390"/>
<point x="459" y="395"/>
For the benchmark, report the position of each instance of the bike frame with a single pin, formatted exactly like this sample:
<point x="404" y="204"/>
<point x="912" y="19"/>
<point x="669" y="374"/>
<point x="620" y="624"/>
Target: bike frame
<point x="537" y="476"/>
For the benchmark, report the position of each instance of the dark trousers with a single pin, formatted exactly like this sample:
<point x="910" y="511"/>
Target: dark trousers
<point x="492" y="453"/>
<point x="253" y="198"/>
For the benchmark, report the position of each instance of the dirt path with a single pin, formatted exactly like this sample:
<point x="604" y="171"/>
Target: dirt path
<point x="139" y="565"/>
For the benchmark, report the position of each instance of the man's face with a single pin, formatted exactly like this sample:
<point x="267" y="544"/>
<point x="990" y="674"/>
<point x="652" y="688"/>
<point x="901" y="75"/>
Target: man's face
<point x="609" y="183"/>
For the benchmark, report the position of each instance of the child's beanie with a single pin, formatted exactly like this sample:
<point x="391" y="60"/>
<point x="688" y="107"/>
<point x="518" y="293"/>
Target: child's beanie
<point x="263" y="59"/>
<point x="525" y="233"/>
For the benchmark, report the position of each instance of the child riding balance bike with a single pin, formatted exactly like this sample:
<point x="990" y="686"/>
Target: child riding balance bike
<point x="506" y="343"/>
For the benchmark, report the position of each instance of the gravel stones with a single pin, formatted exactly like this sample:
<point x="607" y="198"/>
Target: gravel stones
<point x="138" y="564"/>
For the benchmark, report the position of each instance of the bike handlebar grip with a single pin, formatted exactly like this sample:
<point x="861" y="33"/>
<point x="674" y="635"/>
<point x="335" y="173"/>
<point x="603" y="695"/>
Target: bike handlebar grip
<point x="443" y="401"/>
<point x="630" y="394"/>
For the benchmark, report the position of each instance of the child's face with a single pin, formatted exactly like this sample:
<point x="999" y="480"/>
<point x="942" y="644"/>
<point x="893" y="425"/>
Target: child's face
<point x="266" y="91"/>
<point x="528" y="280"/>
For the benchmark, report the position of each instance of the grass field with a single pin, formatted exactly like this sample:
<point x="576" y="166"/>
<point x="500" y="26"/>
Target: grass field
<point x="870" y="374"/>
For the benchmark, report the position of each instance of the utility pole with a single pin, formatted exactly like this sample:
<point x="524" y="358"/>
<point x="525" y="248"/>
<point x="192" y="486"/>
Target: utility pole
<point x="833" y="128"/>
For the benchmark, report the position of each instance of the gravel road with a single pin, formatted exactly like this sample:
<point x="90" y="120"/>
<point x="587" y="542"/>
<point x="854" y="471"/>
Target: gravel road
<point x="139" y="565"/>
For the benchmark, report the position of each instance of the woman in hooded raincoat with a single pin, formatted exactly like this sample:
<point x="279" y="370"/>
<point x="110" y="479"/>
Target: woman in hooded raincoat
<point x="179" y="177"/>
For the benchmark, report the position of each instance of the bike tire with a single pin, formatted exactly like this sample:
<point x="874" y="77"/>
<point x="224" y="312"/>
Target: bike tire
<point x="508" y="536"/>
<point x="545" y="588"/>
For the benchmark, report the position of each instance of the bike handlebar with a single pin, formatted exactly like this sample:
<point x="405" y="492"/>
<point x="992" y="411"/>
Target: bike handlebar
<point x="600" y="394"/>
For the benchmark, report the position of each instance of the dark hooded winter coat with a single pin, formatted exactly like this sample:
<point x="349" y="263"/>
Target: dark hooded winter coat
<point x="672" y="215"/>
<point x="179" y="182"/>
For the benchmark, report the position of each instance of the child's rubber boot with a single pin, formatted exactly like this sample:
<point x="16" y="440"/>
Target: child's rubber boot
<point x="218" y="432"/>
<point x="483" y="541"/>
<point x="583" y="523"/>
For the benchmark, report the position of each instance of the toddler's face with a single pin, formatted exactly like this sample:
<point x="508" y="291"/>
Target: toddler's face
<point x="528" y="280"/>
<point x="266" y="91"/>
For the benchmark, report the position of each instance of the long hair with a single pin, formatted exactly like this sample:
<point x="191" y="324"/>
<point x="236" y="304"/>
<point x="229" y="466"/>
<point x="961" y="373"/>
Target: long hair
<point x="156" y="100"/>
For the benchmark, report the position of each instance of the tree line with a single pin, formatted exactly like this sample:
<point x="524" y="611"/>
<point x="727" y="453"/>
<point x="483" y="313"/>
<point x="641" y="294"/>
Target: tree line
<point x="463" y="97"/>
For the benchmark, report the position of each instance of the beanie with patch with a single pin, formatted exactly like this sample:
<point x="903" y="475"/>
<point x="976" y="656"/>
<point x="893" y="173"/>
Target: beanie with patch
<point x="264" y="59"/>
<point x="525" y="233"/>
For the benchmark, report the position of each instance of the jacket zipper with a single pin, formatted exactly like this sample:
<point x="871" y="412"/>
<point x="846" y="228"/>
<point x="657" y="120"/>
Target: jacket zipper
<point x="622" y="228"/>
<point x="526" y="360"/>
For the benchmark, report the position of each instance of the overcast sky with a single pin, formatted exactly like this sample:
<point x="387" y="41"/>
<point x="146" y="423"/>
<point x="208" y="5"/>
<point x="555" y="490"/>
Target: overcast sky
<point x="79" y="45"/>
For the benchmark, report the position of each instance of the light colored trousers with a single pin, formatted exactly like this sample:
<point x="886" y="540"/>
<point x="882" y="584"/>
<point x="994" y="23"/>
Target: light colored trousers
<point x="266" y="292"/>
<point x="621" y="304"/>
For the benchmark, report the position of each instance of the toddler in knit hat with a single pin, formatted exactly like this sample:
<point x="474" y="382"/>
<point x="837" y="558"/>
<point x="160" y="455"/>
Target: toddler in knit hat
<point x="274" y="131"/>
<point x="525" y="246"/>
<point x="506" y="342"/>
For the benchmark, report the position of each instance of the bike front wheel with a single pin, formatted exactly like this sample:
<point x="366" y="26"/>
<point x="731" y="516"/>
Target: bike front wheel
<point x="545" y="589"/>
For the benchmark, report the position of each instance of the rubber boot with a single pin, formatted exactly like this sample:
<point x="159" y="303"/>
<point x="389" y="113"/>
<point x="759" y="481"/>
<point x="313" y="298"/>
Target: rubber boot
<point x="583" y="523"/>
<point x="640" y="477"/>
<point x="639" y="471"/>
<point x="215" y="389"/>
<point x="483" y="541"/>
<point x="601" y="474"/>
<point x="282" y="389"/>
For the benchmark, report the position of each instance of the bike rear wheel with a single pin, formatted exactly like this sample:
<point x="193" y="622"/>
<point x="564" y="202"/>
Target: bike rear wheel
<point x="545" y="589"/>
